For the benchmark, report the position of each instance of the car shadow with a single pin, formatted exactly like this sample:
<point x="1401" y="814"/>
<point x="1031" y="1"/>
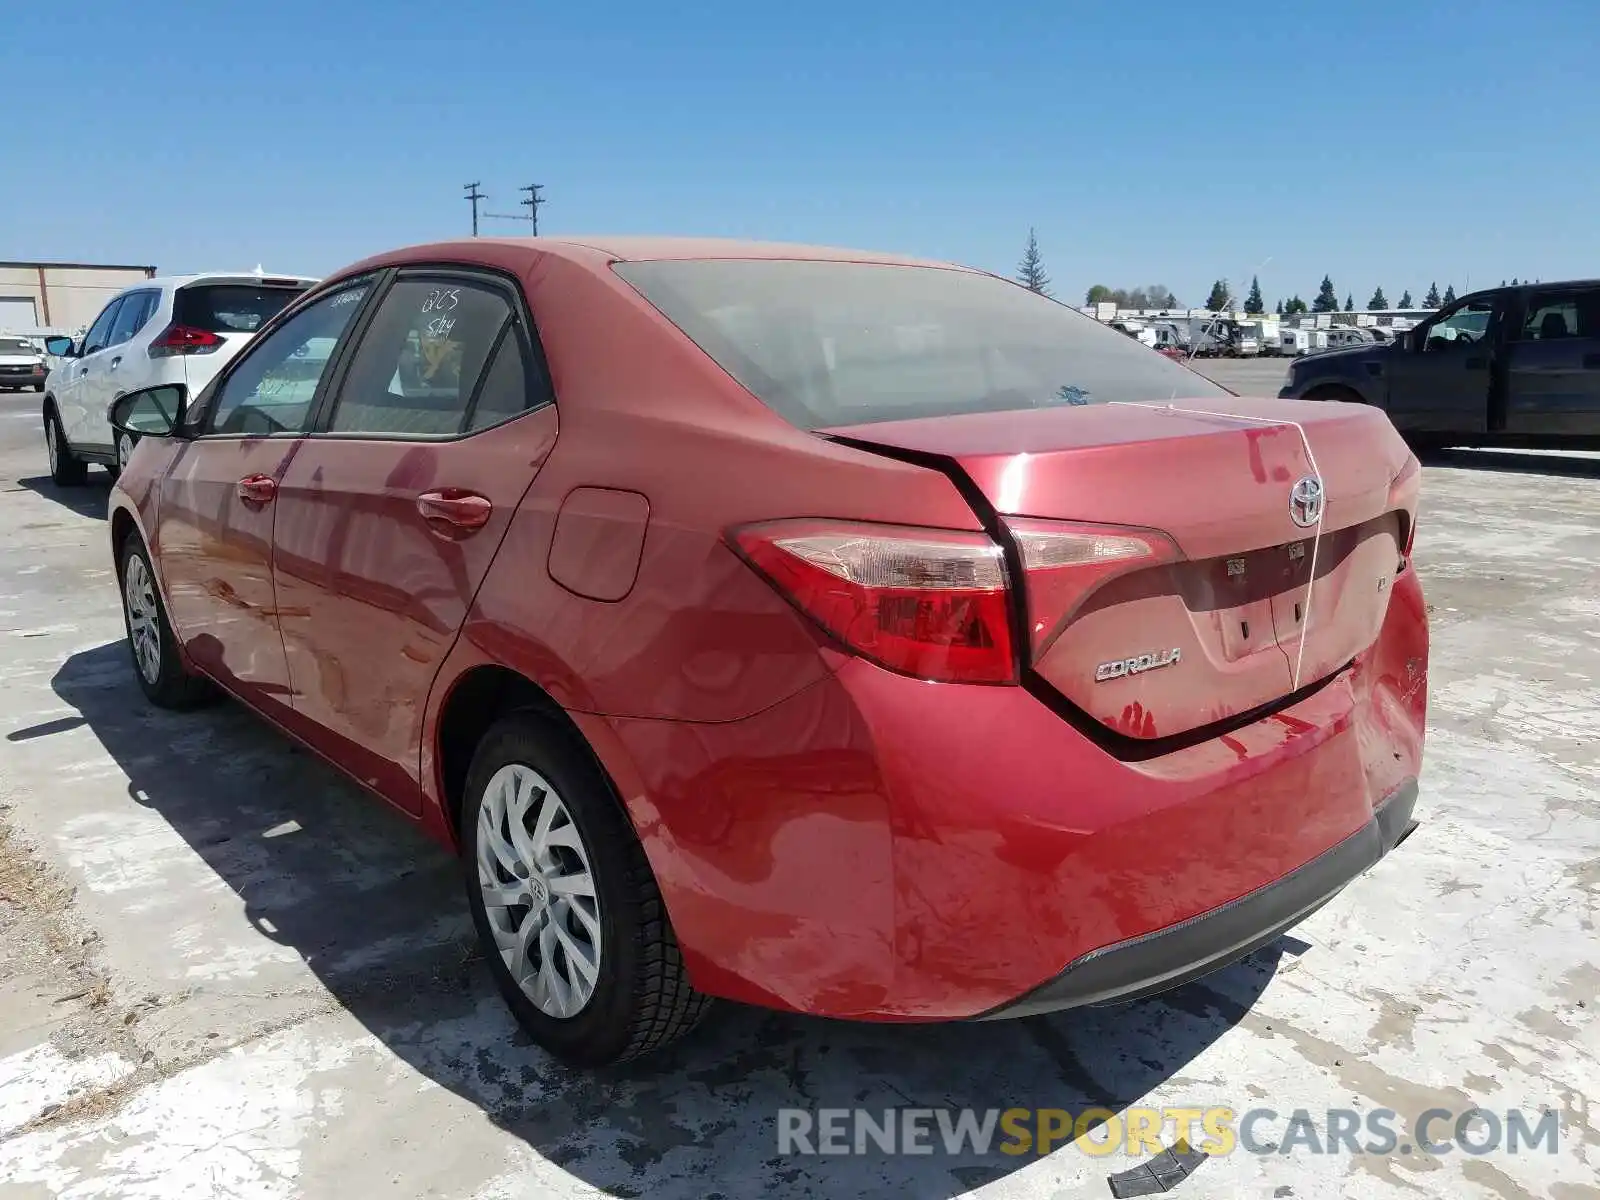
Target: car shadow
<point x="376" y="911"/>
<point x="87" y="499"/>
<point x="1521" y="462"/>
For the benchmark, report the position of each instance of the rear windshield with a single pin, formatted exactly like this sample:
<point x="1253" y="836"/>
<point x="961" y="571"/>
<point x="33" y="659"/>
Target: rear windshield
<point x="231" y="307"/>
<point x="16" y="346"/>
<point x="839" y="343"/>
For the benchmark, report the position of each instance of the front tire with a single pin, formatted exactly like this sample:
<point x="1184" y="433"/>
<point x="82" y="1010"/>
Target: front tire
<point x="566" y="907"/>
<point x="125" y="445"/>
<point x="156" y="662"/>
<point x="66" y="468"/>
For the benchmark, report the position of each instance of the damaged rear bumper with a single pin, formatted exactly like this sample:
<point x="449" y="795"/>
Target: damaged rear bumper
<point x="1165" y="959"/>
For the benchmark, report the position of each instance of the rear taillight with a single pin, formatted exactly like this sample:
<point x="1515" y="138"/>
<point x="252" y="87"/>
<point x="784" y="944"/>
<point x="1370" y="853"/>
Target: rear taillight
<point x="924" y="602"/>
<point x="183" y="339"/>
<point x="1066" y="562"/>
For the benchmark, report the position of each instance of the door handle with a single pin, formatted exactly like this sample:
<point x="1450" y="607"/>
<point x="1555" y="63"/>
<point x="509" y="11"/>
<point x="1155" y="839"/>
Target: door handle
<point x="256" y="489"/>
<point x="116" y="362"/>
<point x="453" y="512"/>
<point x="82" y="371"/>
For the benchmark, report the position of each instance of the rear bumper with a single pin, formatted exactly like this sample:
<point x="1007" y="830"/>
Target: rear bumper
<point x="1160" y="961"/>
<point x="879" y="848"/>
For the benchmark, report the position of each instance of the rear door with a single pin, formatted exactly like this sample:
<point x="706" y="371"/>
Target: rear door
<point x="218" y="501"/>
<point x="123" y="363"/>
<point x="1440" y="384"/>
<point x="389" y="516"/>
<point x="1553" y="364"/>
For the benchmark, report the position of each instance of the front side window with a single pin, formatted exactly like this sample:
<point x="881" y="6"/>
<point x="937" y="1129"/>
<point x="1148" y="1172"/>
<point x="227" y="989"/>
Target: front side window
<point x="99" y="334"/>
<point x="437" y="353"/>
<point x="840" y="343"/>
<point x="272" y="389"/>
<point x="1465" y="325"/>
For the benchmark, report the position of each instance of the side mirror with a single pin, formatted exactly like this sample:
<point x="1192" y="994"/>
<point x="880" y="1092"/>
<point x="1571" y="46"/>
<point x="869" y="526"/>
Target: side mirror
<point x="150" y="412"/>
<point x="60" y="347"/>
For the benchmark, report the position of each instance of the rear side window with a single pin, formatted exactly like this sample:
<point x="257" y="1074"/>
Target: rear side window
<point x="1555" y="316"/>
<point x="839" y="343"/>
<point x="230" y="307"/>
<point x="440" y="358"/>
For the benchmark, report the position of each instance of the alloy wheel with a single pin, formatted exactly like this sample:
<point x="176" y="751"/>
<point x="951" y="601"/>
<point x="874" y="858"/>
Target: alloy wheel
<point x="538" y="890"/>
<point x="144" y="629"/>
<point x="124" y="451"/>
<point x="50" y="442"/>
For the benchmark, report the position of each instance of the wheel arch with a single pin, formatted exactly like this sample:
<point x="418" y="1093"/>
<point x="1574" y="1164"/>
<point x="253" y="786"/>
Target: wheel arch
<point x="476" y="698"/>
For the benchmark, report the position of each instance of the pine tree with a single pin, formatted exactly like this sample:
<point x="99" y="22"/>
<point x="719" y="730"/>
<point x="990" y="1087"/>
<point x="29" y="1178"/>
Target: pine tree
<point x="1431" y="300"/>
<point x="1349" y="302"/>
<point x="1030" y="274"/>
<point x="1513" y="283"/>
<point x="1219" y="299"/>
<point x="1295" y="305"/>
<point x="1280" y="308"/>
<point x="1253" y="302"/>
<point x="1327" y="300"/>
<point x="1379" y="301"/>
<point x="1449" y="293"/>
<point x="1405" y="298"/>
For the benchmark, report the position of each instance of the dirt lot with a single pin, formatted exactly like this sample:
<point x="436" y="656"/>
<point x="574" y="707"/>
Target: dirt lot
<point x="224" y="973"/>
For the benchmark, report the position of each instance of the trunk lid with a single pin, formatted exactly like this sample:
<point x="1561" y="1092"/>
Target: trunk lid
<point x="1212" y="628"/>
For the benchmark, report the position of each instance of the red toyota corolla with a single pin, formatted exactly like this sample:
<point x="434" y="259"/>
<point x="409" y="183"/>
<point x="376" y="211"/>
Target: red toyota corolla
<point x="823" y="630"/>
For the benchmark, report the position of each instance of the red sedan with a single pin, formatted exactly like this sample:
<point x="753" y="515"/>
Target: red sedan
<point x="823" y="630"/>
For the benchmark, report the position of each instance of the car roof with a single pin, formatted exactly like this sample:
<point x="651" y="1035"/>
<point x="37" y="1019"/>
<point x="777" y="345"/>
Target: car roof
<point x="598" y="250"/>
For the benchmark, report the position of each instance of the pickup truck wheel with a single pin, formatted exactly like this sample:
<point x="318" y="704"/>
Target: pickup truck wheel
<point x="66" y="469"/>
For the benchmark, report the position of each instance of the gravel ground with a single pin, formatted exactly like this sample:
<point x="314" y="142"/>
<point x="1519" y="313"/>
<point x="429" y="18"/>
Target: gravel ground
<point x="225" y="973"/>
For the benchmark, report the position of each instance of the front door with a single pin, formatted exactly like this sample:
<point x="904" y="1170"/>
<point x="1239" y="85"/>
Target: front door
<point x="80" y="381"/>
<point x="1439" y="383"/>
<point x="391" y="512"/>
<point x="1553" y="365"/>
<point x="219" y="501"/>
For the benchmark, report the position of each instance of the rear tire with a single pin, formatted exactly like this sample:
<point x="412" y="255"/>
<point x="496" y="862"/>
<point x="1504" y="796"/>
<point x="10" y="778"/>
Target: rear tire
<point x="66" y="469"/>
<point x="540" y="828"/>
<point x="156" y="662"/>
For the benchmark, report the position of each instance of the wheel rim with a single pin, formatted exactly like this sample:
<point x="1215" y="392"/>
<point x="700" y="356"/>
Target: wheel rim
<point x="144" y="632"/>
<point x="538" y="891"/>
<point x="124" y="451"/>
<point x="50" y="443"/>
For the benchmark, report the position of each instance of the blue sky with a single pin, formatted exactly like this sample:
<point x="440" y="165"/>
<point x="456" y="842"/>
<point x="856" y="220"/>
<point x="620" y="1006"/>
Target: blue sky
<point x="1384" y="143"/>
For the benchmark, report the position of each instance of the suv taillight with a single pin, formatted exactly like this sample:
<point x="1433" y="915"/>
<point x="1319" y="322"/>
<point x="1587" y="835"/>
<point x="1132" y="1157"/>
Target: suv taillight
<point x="930" y="603"/>
<point x="183" y="339"/>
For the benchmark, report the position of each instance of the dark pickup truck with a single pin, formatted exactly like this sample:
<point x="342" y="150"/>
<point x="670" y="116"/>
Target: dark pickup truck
<point x="1511" y="366"/>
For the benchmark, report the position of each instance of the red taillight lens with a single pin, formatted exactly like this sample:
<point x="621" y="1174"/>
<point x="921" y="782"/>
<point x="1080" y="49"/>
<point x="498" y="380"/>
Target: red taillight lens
<point x="925" y="602"/>
<point x="1065" y="562"/>
<point x="183" y="339"/>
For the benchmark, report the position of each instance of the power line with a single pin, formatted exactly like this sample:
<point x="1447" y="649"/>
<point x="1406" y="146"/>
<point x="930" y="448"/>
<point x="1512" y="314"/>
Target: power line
<point x="532" y="204"/>
<point x="474" y="195"/>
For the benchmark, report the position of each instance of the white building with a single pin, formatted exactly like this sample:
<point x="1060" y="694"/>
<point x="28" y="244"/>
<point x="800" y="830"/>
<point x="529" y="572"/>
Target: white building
<point x="59" y="296"/>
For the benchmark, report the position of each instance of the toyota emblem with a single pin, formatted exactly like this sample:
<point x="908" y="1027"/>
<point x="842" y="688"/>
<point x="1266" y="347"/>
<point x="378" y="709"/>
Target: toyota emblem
<point x="1305" y="501"/>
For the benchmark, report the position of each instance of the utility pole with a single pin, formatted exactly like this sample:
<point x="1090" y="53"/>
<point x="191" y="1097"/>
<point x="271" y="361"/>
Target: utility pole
<point x="532" y="204"/>
<point x="474" y="195"/>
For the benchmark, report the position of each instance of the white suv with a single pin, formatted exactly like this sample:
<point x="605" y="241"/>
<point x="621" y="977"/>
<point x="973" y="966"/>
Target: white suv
<point x="181" y="329"/>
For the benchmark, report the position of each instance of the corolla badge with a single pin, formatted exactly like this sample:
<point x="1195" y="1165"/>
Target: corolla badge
<point x="1138" y="664"/>
<point x="1305" y="501"/>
